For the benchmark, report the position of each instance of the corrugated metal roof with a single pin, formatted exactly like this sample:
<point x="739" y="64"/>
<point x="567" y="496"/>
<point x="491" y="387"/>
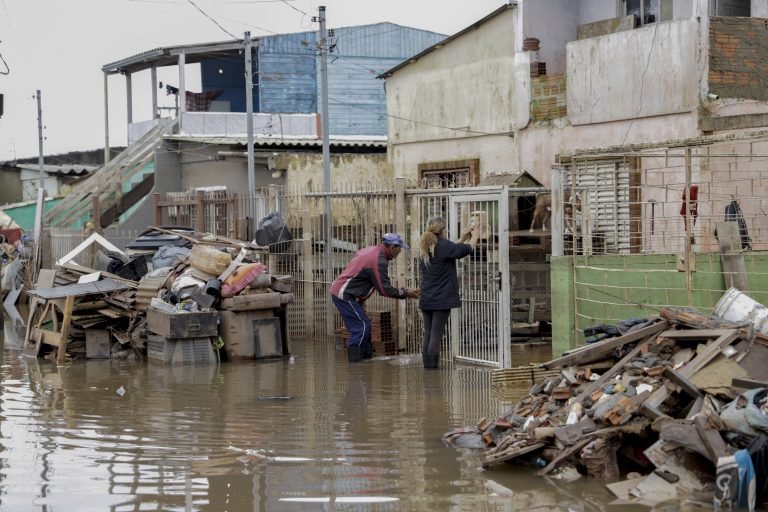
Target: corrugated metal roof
<point x="440" y="44"/>
<point x="288" y="141"/>
<point x="60" y="170"/>
<point x="169" y="55"/>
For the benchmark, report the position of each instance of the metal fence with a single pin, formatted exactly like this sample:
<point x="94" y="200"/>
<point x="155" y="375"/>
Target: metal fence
<point x="361" y="215"/>
<point x="646" y="227"/>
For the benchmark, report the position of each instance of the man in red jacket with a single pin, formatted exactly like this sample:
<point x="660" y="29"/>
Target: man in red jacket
<point x="366" y="273"/>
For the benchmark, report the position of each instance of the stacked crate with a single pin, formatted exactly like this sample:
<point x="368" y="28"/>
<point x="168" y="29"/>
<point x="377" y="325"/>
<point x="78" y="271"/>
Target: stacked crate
<point x="383" y="336"/>
<point x="383" y="333"/>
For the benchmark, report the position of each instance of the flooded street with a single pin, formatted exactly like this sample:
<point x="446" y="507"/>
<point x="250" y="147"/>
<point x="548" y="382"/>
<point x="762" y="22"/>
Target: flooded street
<point x="312" y="434"/>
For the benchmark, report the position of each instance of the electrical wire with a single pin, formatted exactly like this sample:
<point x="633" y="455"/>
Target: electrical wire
<point x="213" y="20"/>
<point x="294" y="8"/>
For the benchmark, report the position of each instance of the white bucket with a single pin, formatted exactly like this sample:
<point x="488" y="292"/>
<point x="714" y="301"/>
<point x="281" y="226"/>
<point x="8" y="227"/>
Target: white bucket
<point x="737" y="308"/>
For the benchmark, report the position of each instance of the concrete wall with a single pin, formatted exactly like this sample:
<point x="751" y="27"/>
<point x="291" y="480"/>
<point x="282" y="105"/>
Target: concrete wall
<point x="466" y="85"/>
<point x="607" y="296"/>
<point x="645" y="72"/>
<point x="10" y="192"/>
<point x="461" y="101"/>
<point x="554" y="23"/>
<point x="596" y="10"/>
<point x="759" y="9"/>
<point x="306" y="169"/>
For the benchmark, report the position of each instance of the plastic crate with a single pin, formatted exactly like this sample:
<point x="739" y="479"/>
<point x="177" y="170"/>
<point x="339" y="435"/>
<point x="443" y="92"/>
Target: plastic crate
<point x="159" y="349"/>
<point x="180" y="351"/>
<point x="134" y="270"/>
<point x="194" y="351"/>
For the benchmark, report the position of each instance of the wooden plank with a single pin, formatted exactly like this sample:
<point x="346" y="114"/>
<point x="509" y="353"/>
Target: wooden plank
<point x="748" y="383"/>
<point x="509" y="454"/>
<point x="65" y="324"/>
<point x="681" y="381"/>
<point x="618" y="367"/>
<point x="734" y="270"/>
<point x="697" y="363"/>
<point x="563" y="455"/>
<point x="712" y="439"/>
<point x="232" y="266"/>
<point x="601" y="349"/>
<point x="694" y="334"/>
<point x="129" y="199"/>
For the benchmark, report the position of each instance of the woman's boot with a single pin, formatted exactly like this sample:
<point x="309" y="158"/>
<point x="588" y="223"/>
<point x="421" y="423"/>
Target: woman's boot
<point x="431" y="360"/>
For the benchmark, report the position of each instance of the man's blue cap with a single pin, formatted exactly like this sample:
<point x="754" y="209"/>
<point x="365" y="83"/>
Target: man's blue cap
<point x="394" y="239"/>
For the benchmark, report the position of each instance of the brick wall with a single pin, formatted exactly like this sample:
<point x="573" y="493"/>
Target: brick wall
<point x="548" y="97"/>
<point x="738" y="59"/>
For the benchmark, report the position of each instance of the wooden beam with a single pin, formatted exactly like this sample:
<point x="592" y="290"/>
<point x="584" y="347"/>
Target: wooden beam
<point x="681" y="381"/>
<point x="659" y="396"/>
<point x="748" y="383"/>
<point x="602" y="349"/>
<point x="65" y="323"/>
<point x="694" y="334"/>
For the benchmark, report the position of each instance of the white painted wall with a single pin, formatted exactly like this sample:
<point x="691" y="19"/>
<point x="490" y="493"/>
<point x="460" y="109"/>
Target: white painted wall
<point x="645" y="72"/>
<point x="465" y="89"/>
<point x="682" y="9"/>
<point x="233" y="124"/>
<point x="554" y="23"/>
<point x="597" y="10"/>
<point x="30" y="182"/>
<point x="759" y="8"/>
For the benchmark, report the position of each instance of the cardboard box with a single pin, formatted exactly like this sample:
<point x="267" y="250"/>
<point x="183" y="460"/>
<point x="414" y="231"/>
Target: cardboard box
<point x="182" y="324"/>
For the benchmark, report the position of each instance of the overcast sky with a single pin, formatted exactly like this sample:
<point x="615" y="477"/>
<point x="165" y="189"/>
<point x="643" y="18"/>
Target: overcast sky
<point x="59" y="47"/>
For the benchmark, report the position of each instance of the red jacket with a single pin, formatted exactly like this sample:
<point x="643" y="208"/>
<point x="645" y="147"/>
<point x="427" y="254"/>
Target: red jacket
<point x="365" y="273"/>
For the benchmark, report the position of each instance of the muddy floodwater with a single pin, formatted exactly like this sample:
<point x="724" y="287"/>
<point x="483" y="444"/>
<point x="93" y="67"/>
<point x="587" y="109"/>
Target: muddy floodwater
<point x="310" y="434"/>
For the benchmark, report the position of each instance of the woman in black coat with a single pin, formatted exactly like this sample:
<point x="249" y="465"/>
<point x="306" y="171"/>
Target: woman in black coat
<point x="439" y="283"/>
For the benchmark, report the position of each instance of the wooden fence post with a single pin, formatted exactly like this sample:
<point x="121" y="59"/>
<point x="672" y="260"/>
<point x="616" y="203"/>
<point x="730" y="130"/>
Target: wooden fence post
<point x="158" y="210"/>
<point x="200" y="206"/>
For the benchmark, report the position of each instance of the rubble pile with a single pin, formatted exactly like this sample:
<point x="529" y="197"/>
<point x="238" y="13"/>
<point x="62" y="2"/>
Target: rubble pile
<point x="176" y="296"/>
<point x="659" y="412"/>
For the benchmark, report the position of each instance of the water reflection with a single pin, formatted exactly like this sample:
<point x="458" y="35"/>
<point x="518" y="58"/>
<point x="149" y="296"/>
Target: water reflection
<point x="361" y="437"/>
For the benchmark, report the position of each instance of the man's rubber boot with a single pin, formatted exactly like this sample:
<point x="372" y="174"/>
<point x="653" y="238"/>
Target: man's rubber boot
<point x="431" y="360"/>
<point x="367" y="347"/>
<point x="354" y="354"/>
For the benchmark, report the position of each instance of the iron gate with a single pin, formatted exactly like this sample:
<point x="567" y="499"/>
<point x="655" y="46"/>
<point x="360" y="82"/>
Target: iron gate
<point x="479" y="331"/>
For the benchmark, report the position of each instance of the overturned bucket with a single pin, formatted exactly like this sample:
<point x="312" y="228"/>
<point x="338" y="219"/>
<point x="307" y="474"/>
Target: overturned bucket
<point x="737" y="308"/>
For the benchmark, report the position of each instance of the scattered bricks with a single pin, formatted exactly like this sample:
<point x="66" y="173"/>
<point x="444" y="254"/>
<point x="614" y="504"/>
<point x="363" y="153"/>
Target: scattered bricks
<point x="563" y="393"/>
<point x="655" y="371"/>
<point x="502" y="423"/>
<point x="488" y="439"/>
<point x="483" y="424"/>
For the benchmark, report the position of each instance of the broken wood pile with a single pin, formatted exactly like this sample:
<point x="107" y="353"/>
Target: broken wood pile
<point x="82" y="312"/>
<point x="657" y="412"/>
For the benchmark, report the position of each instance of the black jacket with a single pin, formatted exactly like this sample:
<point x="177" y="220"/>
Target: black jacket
<point x="439" y="284"/>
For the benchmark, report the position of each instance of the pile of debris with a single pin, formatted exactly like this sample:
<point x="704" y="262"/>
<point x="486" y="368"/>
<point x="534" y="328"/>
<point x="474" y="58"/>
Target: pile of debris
<point x="660" y="412"/>
<point x="175" y="296"/>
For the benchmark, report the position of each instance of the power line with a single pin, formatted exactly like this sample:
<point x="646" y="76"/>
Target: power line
<point x="213" y="20"/>
<point x="294" y="8"/>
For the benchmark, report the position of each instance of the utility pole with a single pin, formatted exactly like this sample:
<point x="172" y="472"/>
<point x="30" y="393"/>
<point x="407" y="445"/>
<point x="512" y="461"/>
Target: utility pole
<point x="40" y="139"/>
<point x="249" y="111"/>
<point x="323" y="40"/>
